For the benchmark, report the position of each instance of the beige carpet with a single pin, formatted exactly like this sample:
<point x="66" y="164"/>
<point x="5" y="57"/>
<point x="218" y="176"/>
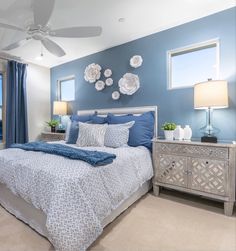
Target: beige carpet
<point x="172" y="222"/>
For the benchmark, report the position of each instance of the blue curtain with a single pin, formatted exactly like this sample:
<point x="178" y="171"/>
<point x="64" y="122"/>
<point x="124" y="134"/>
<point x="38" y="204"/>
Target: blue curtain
<point x="16" y="108"/>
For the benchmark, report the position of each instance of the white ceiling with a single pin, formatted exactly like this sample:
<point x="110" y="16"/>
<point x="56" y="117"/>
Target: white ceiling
<point x="141" y="18"/>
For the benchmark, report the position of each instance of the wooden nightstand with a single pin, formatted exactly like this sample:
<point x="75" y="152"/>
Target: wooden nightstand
<point x="205" y="169"/>
<point x="49" y="136"/>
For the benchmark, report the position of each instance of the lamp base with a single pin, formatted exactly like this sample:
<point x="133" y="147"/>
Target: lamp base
<point x="209" y="139"/>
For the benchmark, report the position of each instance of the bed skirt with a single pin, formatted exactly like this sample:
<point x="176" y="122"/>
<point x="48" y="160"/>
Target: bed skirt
<point x="36" y="218"/>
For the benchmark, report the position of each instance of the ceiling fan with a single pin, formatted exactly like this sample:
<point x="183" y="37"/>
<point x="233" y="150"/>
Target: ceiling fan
<point x="39" y="30"/>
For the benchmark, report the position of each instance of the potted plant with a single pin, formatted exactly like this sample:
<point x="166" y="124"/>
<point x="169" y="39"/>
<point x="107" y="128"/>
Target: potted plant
<point x="53" y="124"/>
<point x="169" y="130"/>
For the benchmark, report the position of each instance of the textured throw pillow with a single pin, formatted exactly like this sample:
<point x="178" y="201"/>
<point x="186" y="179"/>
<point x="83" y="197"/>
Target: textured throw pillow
<point x="142" y="132"/>
<point x="117" y="135"/>
<point x="91" y="134"/>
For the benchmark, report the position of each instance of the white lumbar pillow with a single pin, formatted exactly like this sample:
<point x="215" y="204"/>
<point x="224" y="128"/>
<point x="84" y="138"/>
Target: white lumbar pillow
<point x="91" y="134"/>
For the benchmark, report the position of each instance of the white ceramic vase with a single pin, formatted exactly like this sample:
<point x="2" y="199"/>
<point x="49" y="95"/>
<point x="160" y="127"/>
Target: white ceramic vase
<point x="169" y="134"/>
<point x="179" y="133"/>
<point x="187" y="133"/>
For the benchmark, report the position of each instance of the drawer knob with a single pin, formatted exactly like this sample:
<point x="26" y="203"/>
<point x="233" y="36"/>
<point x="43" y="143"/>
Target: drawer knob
<point x="207" y="162"/>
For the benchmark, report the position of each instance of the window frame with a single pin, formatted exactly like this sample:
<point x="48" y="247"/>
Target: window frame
<point x="3" y="72"/>
<point x="71" y="77"/>
<point x="189" y="48"/>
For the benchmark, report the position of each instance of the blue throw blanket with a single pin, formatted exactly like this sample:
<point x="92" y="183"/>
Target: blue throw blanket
<point x="94" y="158"/>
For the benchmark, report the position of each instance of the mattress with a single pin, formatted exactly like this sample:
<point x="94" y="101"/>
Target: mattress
<point x="69" y="201"/>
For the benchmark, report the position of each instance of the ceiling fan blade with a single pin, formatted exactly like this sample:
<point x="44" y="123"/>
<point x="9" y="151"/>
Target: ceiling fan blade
<point x="11" y="27"/>
<point x="42" y="11"/>
<point x="77" y="32"/>
<point x="52" y="47"/>
<point x="16" y="44"/>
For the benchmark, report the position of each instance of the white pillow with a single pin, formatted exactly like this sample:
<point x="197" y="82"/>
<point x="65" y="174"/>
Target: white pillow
<point x="117" y="135"/>
<point x="91" y="134"/>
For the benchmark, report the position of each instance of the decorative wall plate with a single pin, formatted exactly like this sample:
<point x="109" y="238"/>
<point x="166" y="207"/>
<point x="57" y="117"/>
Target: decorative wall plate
<point x="107" y="73"/>
<point x="129" y="84"/>
<point x="100" y="85"/>
<point x="92" y="73"/>
<point x="136" y="61"/>
<point x="109" y="81"/>
<point x="115" y="95"/>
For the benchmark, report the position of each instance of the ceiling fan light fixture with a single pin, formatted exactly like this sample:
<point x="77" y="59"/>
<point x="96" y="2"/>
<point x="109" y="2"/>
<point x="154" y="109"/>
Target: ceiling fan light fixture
<point x="40" y="57"/>
<point x="121" y="20"/>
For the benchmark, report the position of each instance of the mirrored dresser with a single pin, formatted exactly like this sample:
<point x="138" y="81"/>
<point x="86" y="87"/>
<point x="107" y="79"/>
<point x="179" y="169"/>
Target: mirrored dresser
<point x="205" y="169"/>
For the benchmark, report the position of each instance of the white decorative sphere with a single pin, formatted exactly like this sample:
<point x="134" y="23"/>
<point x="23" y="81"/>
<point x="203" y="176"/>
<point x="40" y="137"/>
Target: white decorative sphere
<point x="100" y="85"/>
<point x="92" y="73"/>
<point x="115" y="95"/>
<point x="129" y="84"/>
<point x="136" y="61"/>
<point x="109" y="81"/>
<point x="107" y="73"/>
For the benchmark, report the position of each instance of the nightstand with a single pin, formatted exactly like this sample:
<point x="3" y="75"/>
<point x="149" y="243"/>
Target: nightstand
<point x="205" y="169"/>
<point x="49" y="136"/>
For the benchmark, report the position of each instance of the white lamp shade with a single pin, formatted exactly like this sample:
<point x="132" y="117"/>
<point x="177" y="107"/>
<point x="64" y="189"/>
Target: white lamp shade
<point x="59" y="108"/>
<point x="211" y="94"/>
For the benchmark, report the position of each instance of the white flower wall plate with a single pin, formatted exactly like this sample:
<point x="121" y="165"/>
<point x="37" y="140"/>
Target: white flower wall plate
<point x="115" y="95"/>
<point x="136" y="61"/>
<point x="109" y="81"/>
<point x="107" y="73"/>
<point x="92" y="73"/>
<point x="100" y="85"/>
<point x="129" y="84"/>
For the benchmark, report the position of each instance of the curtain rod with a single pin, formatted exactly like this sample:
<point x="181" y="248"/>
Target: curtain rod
<point x="6" y="56"/>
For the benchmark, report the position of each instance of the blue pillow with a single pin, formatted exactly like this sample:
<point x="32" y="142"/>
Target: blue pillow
<point x="119" y="119"/>
<point x="95" y="119"/>
<point x="81" y="118"/>
<point x="142" y="132"/>
<point x="74" y="132"/>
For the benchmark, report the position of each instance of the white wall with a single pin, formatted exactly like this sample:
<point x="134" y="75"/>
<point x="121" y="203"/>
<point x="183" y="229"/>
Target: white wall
<point x="38" y="99"/>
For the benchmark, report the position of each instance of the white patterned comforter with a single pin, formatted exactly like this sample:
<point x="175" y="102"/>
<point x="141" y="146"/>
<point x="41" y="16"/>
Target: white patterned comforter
<point x="75" y="196"/>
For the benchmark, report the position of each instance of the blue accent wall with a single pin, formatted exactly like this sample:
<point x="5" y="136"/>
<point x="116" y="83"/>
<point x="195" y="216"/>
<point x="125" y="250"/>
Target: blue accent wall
<point x="174" y="105"/>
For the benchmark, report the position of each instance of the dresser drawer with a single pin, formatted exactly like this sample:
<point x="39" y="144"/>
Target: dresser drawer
<point x="193" y="150"/>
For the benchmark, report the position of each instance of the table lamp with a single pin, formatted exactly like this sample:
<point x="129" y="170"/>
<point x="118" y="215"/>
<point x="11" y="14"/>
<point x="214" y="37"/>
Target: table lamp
<point x="209" y="95"/>
<point x="60" y="109"/>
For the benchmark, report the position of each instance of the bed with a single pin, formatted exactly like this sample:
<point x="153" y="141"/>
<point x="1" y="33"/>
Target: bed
<point x="32" y="189"/>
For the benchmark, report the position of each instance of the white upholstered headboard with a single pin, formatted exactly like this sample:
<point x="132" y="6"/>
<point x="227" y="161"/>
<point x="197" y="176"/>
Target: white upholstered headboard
<point x="126" y="110"/>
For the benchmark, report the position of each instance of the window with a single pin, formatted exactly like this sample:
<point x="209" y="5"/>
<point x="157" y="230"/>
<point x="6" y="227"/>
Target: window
<point x="66" y="89"/>
<point x="193" y="64"/>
